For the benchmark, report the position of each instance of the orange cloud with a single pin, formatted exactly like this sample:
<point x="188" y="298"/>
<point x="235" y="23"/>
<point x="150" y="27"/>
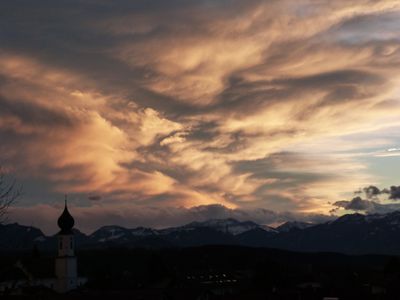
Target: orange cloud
<point x="185" y="105"/>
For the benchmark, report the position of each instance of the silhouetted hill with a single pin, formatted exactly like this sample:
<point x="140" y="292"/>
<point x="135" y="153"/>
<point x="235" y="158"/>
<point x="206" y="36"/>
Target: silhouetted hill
<point x="256" y="237"/>
<point x="15" y="236"/>
<point x="353" y="233"/>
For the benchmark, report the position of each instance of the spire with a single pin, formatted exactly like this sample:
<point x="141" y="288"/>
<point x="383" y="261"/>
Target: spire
<point x="66" y="221"/>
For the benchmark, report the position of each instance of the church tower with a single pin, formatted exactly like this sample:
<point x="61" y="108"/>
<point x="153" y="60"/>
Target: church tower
<point x="66" y="267"/>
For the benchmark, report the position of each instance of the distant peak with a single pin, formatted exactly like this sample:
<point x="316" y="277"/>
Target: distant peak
<point x="290" y="225"/>
<point x="350" y="217"/>
<point x="228" y="225"/>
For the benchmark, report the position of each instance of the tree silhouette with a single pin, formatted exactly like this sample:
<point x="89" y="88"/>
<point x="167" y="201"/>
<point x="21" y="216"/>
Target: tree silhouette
<point x="9" y="192"/>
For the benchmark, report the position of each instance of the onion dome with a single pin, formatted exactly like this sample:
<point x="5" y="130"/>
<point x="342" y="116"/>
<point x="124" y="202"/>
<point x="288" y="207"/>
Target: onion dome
<point x="66" y="221"/>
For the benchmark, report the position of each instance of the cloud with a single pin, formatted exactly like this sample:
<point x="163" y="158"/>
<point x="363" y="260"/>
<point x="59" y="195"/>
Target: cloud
<point x="358" y="204"/>
<point x="91" y="218"/>
<point x="94" y="197"/>
<point x="372" y="191"/>
<point x="373" y="202"/>
<point x="388" y="153"/>
<point x="394" y="192"/>
<point x="367" y="206"/>
<point x="249" y="105"/>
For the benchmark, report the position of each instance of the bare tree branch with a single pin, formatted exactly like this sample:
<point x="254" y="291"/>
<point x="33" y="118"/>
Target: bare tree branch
<point x="9" y="192"/>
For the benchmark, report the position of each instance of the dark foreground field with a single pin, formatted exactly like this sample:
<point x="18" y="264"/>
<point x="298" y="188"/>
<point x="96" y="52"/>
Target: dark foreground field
<point x="216" y="272"/>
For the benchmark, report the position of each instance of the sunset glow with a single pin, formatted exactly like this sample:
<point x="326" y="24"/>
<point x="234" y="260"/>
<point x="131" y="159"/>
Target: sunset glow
<point x="157" y="113"/>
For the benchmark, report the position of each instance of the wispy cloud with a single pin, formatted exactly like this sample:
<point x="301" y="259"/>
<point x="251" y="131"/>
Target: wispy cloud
<point x="388" y="152"/>
<point x="255" y="104"/>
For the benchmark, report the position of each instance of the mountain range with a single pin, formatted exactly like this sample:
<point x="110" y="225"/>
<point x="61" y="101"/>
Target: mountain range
<point x="351" y="234"/>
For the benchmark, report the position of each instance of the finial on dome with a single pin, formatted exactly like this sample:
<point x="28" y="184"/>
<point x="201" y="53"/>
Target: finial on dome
<point x="66" y="221"/>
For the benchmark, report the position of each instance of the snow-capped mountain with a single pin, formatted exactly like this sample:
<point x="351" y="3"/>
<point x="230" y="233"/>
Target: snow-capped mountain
<point x="120" y="234"/>
<point x="293" y="225"/>
<point x="143" y="231"/>
<point x="229" y="226"/>
<point x="110" y="233"/>
<point x="215" y="231"/>
<point x="353" y="233"/>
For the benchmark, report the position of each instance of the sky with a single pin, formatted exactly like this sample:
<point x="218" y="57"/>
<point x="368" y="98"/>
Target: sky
<point x="156" y="113"/>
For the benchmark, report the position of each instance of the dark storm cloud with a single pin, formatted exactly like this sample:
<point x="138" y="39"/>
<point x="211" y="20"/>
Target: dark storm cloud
<point x="62" y="35"/>
<point x="368" y="206"/>
<point x="274" y="166"/>
<point x="79" y="36"/>
<point x="250" y="96"/>
<point x="68" y="28"/>
<point x="242" y="97"/>
<point x="372" y="203"/>
<point x="94" y="197"/>
<point x="394" y="192"/>
<point x="35" y="115"/>
<point x="358" y="204"/>
<point x="342" y="85"/>
<point x="283" y="180"/>
<point x="332" y="79"/>
<point x="172" y="108"/>
<point x="372" y="191"/>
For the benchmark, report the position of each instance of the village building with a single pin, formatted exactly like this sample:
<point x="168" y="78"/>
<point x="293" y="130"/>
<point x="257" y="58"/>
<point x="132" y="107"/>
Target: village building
<point x="60" y="275"/>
